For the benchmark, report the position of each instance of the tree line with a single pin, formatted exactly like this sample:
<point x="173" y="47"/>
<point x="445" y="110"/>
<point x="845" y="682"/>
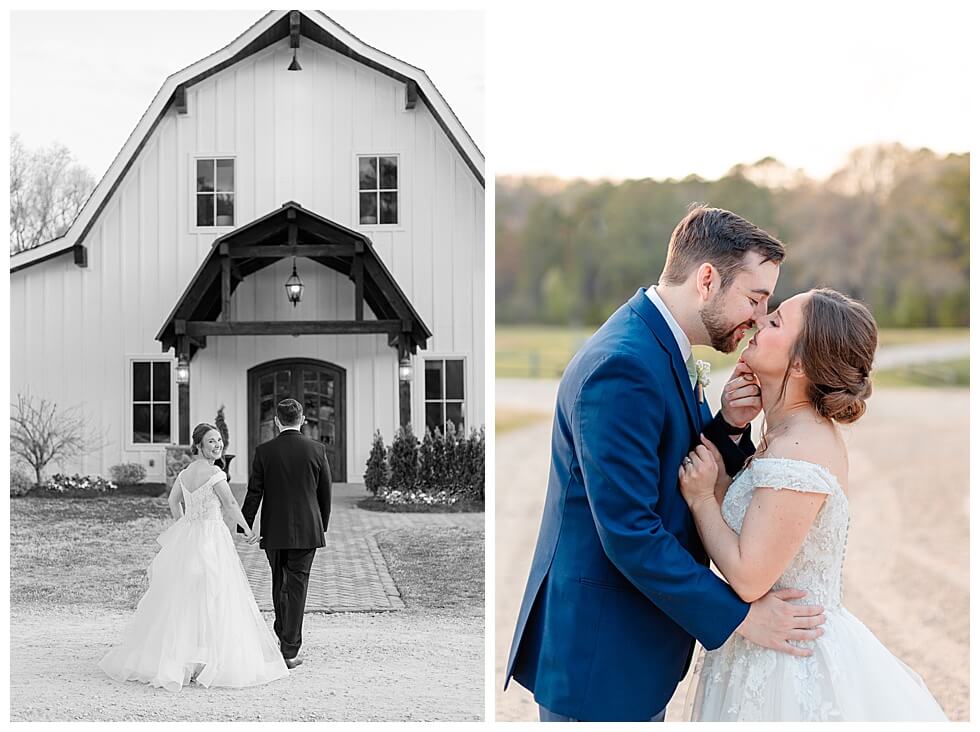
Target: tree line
<point x="890" y="227"/>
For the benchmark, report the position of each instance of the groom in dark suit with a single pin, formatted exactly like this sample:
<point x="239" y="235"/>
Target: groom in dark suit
<point x="619" y="586"/>
<point x="292" y="474"/>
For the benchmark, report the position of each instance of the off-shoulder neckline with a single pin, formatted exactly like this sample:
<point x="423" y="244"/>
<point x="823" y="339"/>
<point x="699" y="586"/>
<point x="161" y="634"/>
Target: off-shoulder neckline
<point x="823" y="469"/>
<point x="183" y="485"/>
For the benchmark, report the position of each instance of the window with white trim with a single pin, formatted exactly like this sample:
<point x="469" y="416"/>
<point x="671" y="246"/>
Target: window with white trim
<point x="215" y="192"/>
<point x="377" y="189"/>
<point x="444" y="393"/>
<point x="151" y="397"/>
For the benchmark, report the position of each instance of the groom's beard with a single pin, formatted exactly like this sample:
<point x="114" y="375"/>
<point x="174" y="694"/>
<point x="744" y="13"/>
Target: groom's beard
<point x="723" y="338"/>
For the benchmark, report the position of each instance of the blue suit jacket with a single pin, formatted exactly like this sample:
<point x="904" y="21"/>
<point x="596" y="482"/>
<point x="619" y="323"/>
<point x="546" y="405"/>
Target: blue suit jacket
<point x="619" y="586"/>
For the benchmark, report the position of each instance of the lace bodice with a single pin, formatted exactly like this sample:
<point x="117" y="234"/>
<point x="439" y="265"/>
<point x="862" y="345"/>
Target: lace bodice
<point x="849" y="675"/>
<point x="819" y="564"/>
<point x="202" y="504"/>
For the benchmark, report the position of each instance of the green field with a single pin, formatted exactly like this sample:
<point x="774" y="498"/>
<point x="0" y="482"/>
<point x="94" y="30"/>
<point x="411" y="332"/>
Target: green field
<point x="508" y="420"/>
<point x="543" y="351"/>
<point x="939" y="374"/>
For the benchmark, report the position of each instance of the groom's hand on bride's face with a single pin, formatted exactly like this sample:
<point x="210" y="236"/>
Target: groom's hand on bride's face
<point x="772" y="622"/>
<point x="741" y="399"/>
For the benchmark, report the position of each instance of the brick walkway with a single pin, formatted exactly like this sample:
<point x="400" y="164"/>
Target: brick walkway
<point x="350" y="573"/>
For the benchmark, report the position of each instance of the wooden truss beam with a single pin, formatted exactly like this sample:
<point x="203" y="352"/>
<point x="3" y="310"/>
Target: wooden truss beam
<point x="278" y="251"/>
<point x="197" y="328"/>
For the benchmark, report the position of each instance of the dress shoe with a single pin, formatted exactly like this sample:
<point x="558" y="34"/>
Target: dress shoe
<point x="292" y="663"/>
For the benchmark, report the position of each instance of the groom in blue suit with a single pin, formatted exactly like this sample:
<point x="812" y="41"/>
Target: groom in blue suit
<point x="619" y="586"/>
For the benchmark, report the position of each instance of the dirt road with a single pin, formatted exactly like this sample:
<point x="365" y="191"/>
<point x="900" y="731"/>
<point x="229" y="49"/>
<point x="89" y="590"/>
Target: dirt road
<point x="907" y="567"/>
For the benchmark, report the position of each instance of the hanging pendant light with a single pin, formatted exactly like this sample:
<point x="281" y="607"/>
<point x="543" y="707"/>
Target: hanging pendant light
<point x="294" y="286"/>
<point x="294" y="66"/>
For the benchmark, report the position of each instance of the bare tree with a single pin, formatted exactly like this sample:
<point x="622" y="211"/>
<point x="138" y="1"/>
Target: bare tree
<point x="41" y="432"/>
<point x="47" y="191"/>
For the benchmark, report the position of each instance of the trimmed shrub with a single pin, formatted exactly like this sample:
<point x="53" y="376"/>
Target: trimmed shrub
<point x="127" y="473"/>
<point x="20" y="482"/>
<point x="428" y="473"/>
<point x="445" y="468"/>
<point x="219" y="422"/>
<point x="475" y="480"/>
<point x="403" y="461"/>
<point x="376" y="475"/>
<point x="178" y="458"/>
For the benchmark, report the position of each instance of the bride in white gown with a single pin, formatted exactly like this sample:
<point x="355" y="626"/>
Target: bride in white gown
<point x="198" y="620"/>
<point x="782" y="522"/>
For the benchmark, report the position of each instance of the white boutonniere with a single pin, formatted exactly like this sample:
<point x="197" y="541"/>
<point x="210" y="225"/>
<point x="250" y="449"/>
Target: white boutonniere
<point x="703" y="369"/>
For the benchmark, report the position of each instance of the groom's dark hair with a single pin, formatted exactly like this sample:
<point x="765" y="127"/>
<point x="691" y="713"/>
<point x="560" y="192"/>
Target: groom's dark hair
<point x="289" y="412"/>
<point x="720" y="237"/>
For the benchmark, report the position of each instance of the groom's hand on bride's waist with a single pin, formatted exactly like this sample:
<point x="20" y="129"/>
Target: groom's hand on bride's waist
<point x="773" y="622"/>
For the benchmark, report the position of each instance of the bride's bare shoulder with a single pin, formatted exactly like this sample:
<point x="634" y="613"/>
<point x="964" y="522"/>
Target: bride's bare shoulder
<point x="819" y="443"/>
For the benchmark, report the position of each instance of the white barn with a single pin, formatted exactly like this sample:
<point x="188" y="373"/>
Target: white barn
<point x="354" y="168"/>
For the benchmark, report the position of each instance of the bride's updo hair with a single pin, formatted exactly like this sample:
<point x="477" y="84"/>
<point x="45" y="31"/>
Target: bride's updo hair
<point x="198" y="435"/>
<point x="836" y="348"/>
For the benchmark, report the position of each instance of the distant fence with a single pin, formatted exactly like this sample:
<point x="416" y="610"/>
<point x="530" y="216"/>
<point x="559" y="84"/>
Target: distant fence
<point x="532" y="363"/>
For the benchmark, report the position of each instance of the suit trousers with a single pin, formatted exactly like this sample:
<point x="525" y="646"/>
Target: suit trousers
<point x="290" y="578"/>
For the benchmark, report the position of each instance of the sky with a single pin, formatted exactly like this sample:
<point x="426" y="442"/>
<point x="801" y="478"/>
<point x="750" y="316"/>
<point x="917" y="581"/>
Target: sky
<point x="87" y="78"/>
<point x="617" y="90"/>
<point x="669" y="89"/>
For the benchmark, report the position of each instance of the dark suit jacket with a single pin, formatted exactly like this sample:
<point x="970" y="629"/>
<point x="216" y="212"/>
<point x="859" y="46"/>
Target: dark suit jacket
<point x="292" y="474"/>
<point x="619" y="586"/>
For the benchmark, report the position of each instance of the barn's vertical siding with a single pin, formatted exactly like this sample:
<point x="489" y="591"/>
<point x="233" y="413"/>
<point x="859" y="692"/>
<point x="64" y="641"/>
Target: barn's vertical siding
<point x="294" y="136"/>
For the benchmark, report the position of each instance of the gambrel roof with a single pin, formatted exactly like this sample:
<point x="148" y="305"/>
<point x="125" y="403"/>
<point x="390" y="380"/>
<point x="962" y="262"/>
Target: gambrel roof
<point x="270" y="29"/>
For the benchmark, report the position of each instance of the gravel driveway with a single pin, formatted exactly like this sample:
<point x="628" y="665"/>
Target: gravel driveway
<point x="357" y="667"/>
<point x="907" y="568"/>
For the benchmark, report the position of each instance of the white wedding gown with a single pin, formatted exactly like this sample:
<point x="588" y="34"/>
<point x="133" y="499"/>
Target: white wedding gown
<point x="851" y="676"/>
<point x="198" y="615"/>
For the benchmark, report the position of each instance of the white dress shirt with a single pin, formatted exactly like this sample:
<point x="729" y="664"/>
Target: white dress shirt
<point x="682" y="340"/>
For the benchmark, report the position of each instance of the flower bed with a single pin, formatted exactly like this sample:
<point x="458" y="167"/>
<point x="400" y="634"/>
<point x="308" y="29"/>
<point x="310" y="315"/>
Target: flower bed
<point x="401" y="498"/>
<point x="76" y="486"/>
<point x="443" y="471"/>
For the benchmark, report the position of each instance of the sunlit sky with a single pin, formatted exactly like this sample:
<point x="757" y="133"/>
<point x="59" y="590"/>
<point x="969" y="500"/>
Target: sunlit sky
<point x="84" y="78"/>
<point x="681" y="88"/>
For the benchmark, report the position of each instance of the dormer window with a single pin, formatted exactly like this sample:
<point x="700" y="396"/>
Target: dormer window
<point x="377" y="189"/>
<point x="215" y="192"/>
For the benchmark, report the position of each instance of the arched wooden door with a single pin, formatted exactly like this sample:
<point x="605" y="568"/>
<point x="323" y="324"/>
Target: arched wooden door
<point x="319" y="386"/>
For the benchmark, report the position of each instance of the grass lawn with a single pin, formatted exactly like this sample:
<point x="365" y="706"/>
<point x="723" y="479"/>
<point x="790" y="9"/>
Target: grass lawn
<point x="436" y="567"/>
<point x="83" y="551"/>
<point x="940" y="374"/>
<point x="543" y="351"/>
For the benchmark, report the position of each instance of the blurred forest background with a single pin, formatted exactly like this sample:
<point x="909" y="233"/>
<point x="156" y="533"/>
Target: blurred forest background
<point x="890" y="227"/>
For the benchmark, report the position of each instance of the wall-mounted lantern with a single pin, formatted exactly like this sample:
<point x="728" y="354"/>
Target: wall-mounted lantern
<point x="405" y="369"/>
<point x="183" y="371"/>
